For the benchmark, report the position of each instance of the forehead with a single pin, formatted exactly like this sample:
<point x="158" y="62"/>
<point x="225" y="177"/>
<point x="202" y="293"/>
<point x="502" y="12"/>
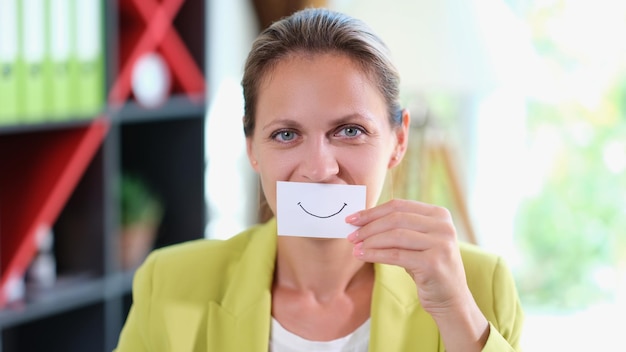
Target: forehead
<point x="328" y="80"/>
<point x="302" y="59"/>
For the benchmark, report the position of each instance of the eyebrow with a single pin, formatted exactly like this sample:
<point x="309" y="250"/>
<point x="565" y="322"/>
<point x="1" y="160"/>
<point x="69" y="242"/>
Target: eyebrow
<point x="339" y="121"/>
<point x="352" y="117"/>
<point x="282" y="122"/>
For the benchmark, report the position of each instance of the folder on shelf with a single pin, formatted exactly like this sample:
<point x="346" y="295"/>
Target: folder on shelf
<point x="8" y="60"/>
<point x="89" y="41"/>
<point x="60" y="51"/>
<point x="33" y="56"/>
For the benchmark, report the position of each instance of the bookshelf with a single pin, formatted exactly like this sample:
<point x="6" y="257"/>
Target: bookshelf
<point x="61" y="173"/>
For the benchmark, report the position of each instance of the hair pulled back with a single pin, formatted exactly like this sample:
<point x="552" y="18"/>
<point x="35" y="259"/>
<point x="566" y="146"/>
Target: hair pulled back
<point x="319" y="31"/>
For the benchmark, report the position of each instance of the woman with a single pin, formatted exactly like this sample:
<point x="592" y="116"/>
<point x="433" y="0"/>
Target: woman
<point x="321" y="106"/>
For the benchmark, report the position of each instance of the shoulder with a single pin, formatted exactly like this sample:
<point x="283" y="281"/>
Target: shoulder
<point x="192" y="265"/>
<point x="202" y="252"/>
<point x="483" y="268"/>
<point x="207" y="254"/>
<point x="477" y="259"/>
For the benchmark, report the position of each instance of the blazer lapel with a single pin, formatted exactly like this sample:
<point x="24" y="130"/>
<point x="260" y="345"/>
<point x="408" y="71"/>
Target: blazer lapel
<point x="183" y="323"/>
<point x="241" y="322"/>
<point x="248" y="331"/>
<point x="398" y="320"/>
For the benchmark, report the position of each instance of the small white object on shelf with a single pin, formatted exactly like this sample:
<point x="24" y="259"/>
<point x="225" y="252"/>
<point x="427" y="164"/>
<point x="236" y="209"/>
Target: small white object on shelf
<point x="151" y="80"/>
<point x="42" y="270"/>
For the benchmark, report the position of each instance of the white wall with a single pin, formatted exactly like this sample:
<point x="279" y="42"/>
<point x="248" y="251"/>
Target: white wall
<point x="230" y="182"/>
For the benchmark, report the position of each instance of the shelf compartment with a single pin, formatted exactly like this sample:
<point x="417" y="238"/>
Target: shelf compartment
<point x="169" y="156"/>
<point x="42" y="169"/>
<point x="77" y="330"/>
<point x="154" y="26"/>
<point x="79" y="233"/>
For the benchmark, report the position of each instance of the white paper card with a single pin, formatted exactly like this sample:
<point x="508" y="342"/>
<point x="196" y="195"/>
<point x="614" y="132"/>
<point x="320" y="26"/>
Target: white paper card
<point x="317" y="210"/>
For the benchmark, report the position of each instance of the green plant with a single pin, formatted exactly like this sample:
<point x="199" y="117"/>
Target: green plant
<point x="139" y="204"/>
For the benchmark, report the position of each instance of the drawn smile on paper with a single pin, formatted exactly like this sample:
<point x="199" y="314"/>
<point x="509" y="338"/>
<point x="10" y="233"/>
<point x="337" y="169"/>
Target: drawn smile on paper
<point x="319" y="216"/>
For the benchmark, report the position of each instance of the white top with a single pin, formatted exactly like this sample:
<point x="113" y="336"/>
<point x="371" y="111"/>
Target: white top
<point x="282" y="340"/>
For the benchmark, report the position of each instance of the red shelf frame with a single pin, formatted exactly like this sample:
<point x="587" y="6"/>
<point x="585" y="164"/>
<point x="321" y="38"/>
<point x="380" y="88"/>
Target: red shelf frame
<point x="38" y="173"/>
<point x="154" y="31"/>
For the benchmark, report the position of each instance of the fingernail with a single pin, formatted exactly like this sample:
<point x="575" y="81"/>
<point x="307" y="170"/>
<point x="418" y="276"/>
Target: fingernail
<point x="358" y="250"/>
<point x="353" y="236"/>
<point x="352" y="218"/>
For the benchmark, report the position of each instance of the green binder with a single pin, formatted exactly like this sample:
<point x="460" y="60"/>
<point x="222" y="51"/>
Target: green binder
<point x="33" y="56"/>
<point x="8" y="60"/>
<point x="60" y="51"/>
<point x="88" y="15"/>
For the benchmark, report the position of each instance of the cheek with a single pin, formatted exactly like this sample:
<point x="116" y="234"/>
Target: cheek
<point x="376" y="184"/>
<point x="273" y="168"/>
<point x="369" y="169"/>
<point x="269" y="190"/>
<point x="268" y="185"/>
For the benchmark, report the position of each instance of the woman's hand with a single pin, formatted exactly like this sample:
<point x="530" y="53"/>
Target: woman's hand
<point x="422" y="239"/>
<point x="419" y="237"/>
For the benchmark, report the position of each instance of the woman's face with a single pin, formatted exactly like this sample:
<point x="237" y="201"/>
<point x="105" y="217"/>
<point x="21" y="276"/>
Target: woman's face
<point x="320" y="119"/>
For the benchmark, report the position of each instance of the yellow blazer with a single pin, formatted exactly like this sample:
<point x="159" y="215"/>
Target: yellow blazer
<point x="214" y="295"/>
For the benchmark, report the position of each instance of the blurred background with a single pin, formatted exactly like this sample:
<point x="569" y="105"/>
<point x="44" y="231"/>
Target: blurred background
<point x="519" y="127"/>
<point x="120" y="132"/>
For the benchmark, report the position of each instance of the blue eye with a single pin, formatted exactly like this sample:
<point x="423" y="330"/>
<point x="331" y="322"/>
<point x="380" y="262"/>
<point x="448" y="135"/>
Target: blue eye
<point x="284" y="135"/>
<point x="350" y="131"/>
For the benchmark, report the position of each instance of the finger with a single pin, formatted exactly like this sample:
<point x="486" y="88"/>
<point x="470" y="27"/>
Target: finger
<point x="405" y="258"/>
<point x="398" y="238"/>
<point x="394" y="206"/>
<point x="408" y="221"/>
<point x="431" y="260"/>
<point x="389" y="223"/>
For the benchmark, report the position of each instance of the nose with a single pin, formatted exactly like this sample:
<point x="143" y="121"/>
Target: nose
<point x="319" y="162"/>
